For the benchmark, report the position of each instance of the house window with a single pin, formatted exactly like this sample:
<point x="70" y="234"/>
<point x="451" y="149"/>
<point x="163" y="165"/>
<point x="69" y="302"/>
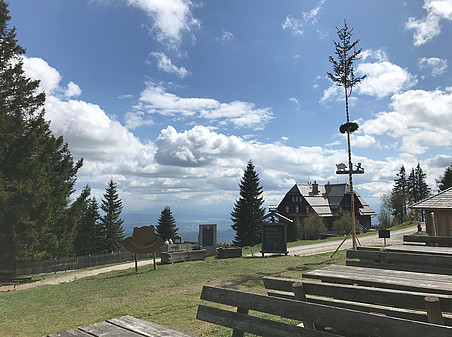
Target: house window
<point x="297" y="209"/>
<point x="307" y="209"/>
<point x="293" y="199"/>
<point x="287" y="209"/>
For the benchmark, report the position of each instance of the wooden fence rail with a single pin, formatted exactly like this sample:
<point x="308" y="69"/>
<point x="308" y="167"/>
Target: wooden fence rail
<point x="80" y="262"/>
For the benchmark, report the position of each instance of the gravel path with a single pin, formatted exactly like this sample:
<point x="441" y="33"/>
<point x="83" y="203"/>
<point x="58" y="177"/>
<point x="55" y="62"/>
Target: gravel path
<point x="317" y="248"/>
<point x="370" y="240"/>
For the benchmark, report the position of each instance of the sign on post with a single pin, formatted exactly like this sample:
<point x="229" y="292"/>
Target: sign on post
<point x="207" y="238"/>
<point x="384" y="234"/>
<point x="274" y="238"/>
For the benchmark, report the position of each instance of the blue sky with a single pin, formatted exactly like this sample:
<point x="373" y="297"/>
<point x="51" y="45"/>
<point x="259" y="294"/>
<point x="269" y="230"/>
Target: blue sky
<point x="172" y="98"/>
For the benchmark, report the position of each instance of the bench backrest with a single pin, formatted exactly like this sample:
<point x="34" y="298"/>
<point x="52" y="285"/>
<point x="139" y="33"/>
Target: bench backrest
<point x="369" y="299"/>
<point x="444" y="241"/>
<point x="344" y="320"/>
<point x="406" y="261"/>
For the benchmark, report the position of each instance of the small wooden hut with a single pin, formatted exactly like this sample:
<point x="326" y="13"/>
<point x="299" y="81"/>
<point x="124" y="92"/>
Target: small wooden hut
<point x="438" y="213"/>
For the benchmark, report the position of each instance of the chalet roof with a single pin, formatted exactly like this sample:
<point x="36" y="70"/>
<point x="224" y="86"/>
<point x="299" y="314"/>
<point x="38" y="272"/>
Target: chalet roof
<point x="326" y="202"/>
<point x="442" y="200"/>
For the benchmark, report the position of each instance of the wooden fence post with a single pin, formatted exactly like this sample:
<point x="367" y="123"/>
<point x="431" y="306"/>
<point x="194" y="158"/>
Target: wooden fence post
<point x="433" y="308"/>
<point x="300" y="295"/>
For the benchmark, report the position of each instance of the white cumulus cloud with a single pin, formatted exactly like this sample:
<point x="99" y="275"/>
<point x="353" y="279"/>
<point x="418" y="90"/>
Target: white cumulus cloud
<point x="171" y="18"/>
<point x="436" y="65"/>
<point x="156" y="100"/>
<point x="165" y="64"/>
<point x="384" y="78"/>
<point x="39" y="69"/>
<point x="72" y="90"/>
<point x="419" y="118"/>
<point x="428" y="27"/>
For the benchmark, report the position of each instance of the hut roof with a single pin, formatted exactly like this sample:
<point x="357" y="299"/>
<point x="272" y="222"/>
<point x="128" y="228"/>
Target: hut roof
<point x="442" y="200"/>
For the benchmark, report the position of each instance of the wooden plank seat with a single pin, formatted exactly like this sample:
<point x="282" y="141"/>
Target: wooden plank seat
<point x="395" y="303"/>
<point x="125" y="326"/>
<point x="406" y="261"/>
<point x="443" y="241"/>
<point x="340" y="321"/>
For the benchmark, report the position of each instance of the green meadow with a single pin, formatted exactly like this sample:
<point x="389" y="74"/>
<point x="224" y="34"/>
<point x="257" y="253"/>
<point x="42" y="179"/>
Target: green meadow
<point x="168" y="296"/>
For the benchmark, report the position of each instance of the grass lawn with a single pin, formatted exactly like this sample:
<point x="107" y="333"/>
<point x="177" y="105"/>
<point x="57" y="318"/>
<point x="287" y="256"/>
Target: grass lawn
<point x="168" y="296"/>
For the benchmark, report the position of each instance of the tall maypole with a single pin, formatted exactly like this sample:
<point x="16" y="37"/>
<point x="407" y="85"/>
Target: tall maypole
<point x="344" y="76"/>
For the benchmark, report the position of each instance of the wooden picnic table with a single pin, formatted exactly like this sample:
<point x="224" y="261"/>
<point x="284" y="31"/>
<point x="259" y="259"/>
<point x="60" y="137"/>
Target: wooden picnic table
<point x="384" y="278"/>
<point x="125" y="326"/>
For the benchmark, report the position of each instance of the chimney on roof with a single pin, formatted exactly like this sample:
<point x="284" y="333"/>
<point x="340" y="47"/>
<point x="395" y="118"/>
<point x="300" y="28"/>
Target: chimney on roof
<point x="328" y="187"/>
<point x="315" y="188"/>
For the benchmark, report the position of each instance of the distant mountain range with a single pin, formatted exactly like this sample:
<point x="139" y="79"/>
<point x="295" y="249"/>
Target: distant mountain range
<point x="188" y="225"/>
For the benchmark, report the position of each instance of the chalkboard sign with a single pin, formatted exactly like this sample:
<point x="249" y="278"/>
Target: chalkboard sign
<point x="274" y="238"/>
<point x="207" y="236"/>
<point x="384" y="234"/>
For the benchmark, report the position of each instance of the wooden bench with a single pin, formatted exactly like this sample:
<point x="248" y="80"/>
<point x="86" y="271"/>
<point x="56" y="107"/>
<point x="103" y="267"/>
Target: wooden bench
<point x="406" y="261"/>
<point x="340" y="321"/>
<point x="410" y="305"/>
<point x="442" y="241"/>
<point x="122" y="326"/>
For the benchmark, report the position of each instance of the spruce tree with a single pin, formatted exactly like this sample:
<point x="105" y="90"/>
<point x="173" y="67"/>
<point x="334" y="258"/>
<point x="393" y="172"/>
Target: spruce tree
<point x="37" y="171"/>
<point x="445" y="181"/>
<point x="400" y="196"/>
<point x="166" y="227"/>
<point x="417" y="188"/>
<point x="111" y="221"/>
<point x="89" y="237"/>
<point x="248" y="212"/>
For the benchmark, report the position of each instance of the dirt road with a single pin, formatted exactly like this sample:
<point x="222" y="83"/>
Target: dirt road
<point x="317" y="248"/>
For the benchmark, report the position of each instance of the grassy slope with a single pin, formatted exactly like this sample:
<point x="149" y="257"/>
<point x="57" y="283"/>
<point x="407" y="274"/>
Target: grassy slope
<point x="167" y="296"/>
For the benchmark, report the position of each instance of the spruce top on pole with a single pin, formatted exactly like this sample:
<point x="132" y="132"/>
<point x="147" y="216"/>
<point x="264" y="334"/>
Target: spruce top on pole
<point x="344" y="76"/>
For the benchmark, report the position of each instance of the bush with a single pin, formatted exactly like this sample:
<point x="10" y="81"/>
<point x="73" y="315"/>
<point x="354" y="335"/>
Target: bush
<point x="313" y="226"/>
<point x="343" y="225"/>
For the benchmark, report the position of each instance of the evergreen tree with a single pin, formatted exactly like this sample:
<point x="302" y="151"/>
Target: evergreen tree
<point x="89" y="234"/>
<point x="111" y="221"/>
<point x="37" y="171"/>
<point x="400" y="196"/>
<point x="445" y="181"/>
<point x="166" y="227"/>
<point x="248" y="212"/>
<point x="417" y="187"/>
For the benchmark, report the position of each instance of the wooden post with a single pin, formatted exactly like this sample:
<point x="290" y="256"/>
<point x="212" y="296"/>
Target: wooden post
<point x="300" y="295"/>
<point x="136" y="263"/>
<point x="433" y="308"/>
<point x="153" y="256"/>
<point x="340" y="245"/>
<point x="240" y="333"/>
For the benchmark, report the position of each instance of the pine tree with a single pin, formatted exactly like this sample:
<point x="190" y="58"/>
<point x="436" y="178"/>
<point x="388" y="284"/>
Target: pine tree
<point x="445" y="181"/>
<point x="344" y="76"/>
<point x="400" y="196"/>
<point x="111" y="221"/>
<point x="247" y="213"/>
<point x="166" y="227"/>
<point x="37" y="171"/>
